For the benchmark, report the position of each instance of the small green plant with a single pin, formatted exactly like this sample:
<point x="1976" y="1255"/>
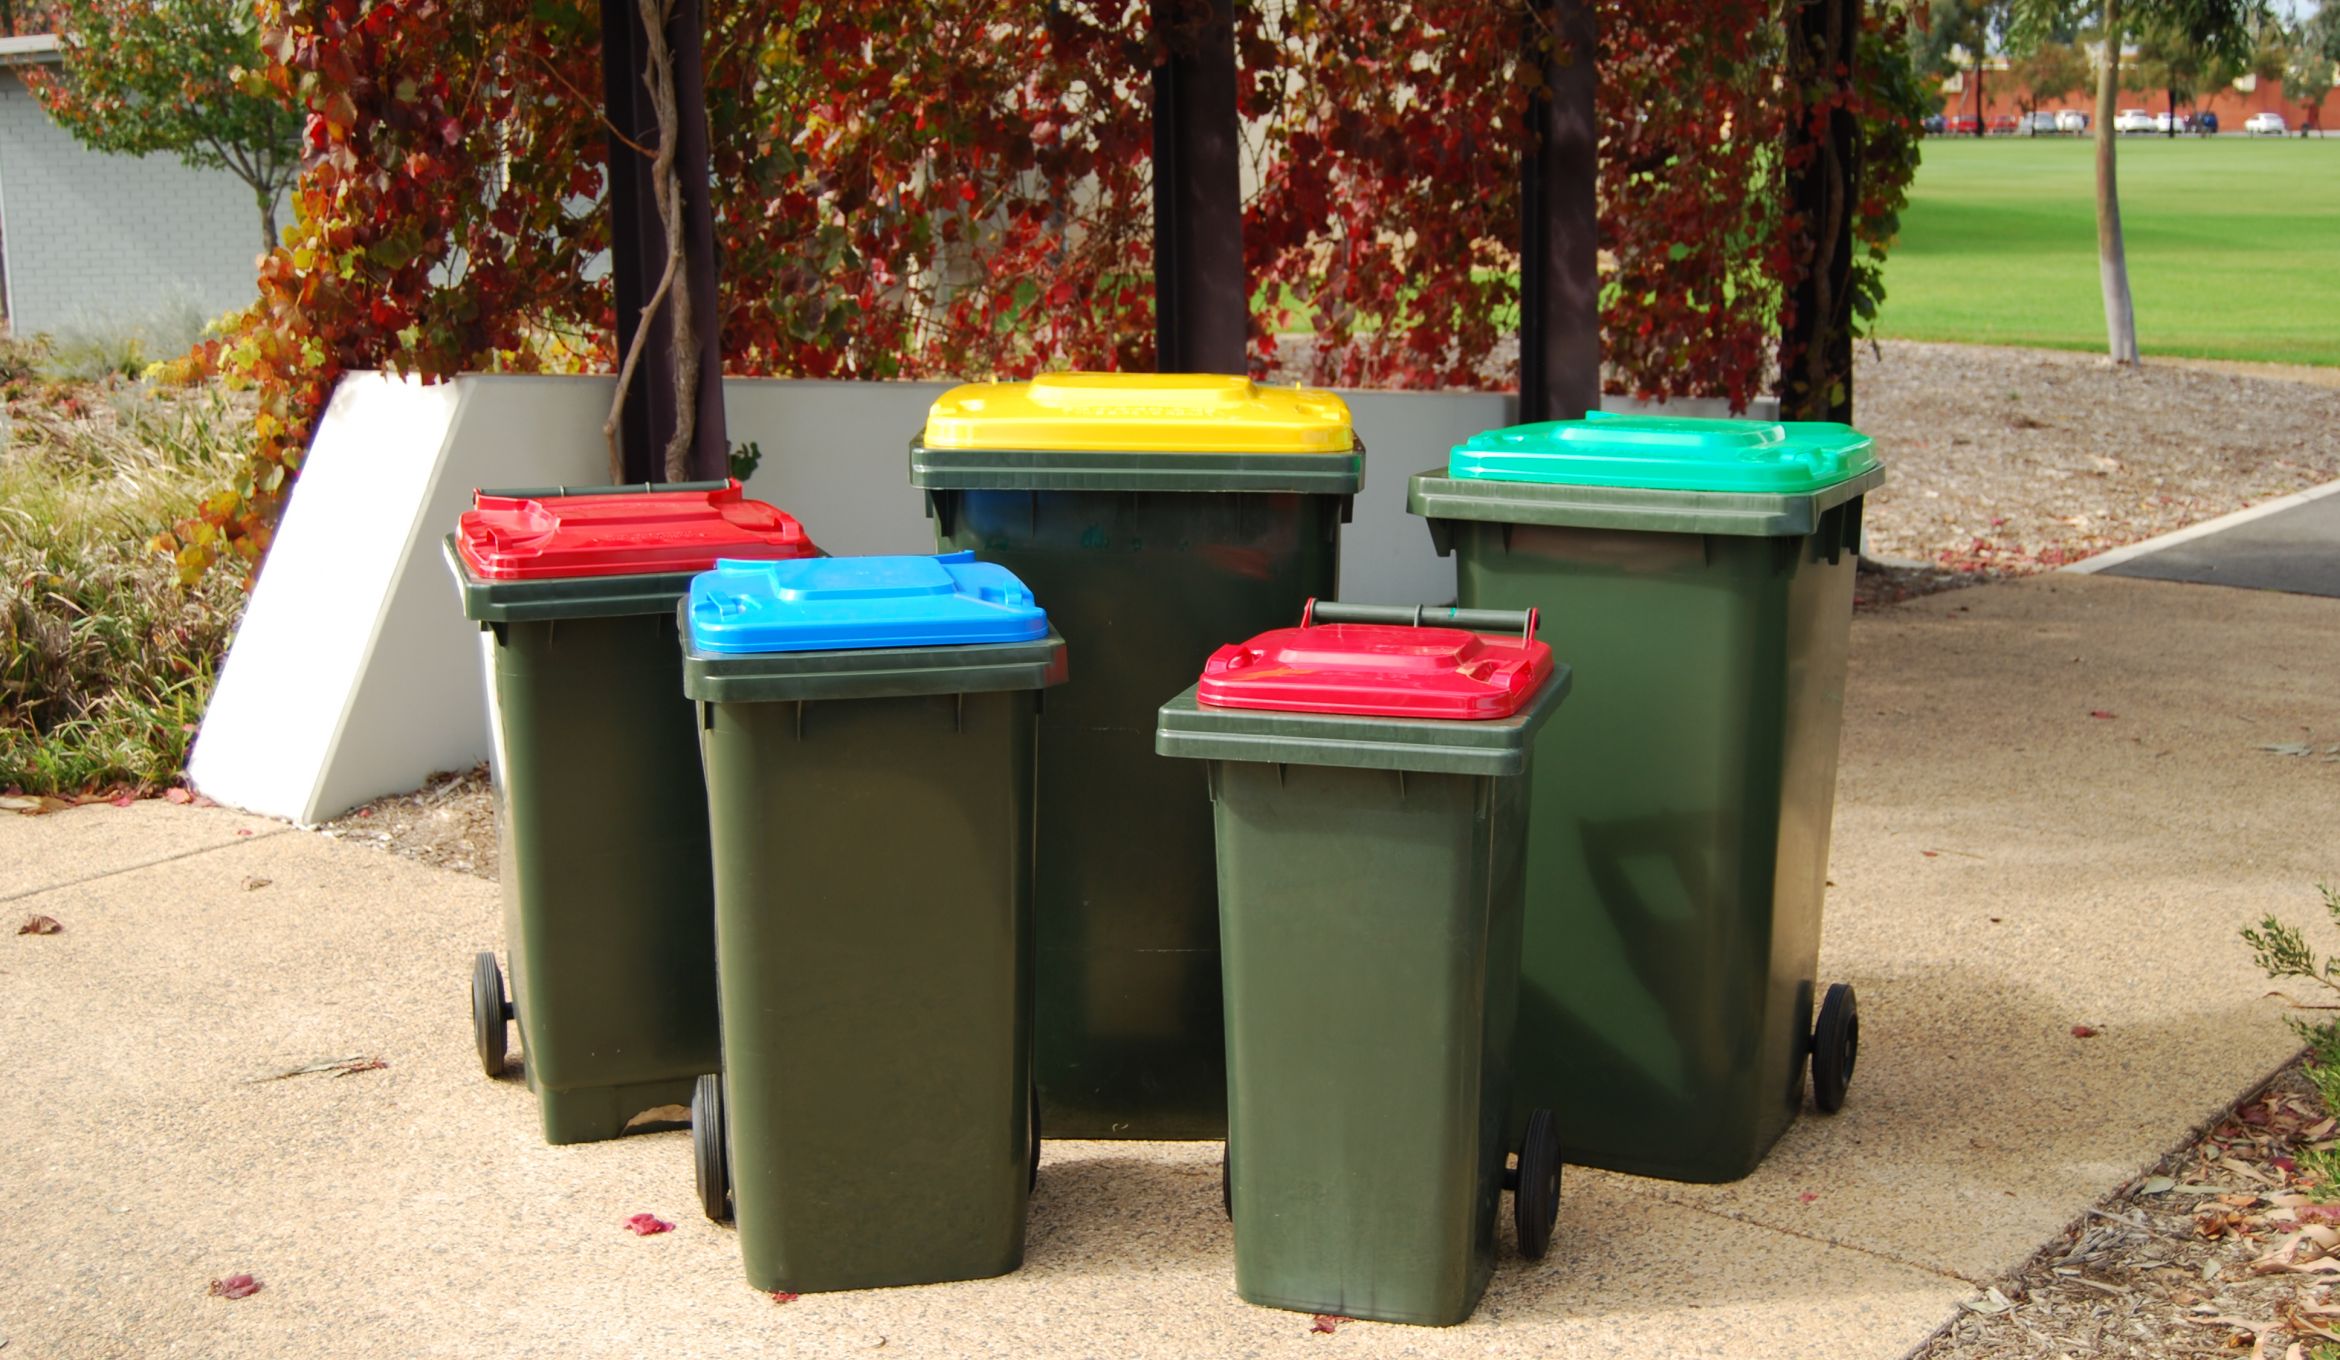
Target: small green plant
<point x="745" y="459"/>
<point x="2282" y="951"/>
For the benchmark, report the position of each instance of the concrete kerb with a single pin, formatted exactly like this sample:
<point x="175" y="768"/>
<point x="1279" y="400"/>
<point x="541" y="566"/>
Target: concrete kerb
<point x="2105" y="560"/>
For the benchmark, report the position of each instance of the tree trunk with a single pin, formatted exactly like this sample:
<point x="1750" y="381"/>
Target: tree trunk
<point x="1981" y="123"/>
<point x="268" y="237"/>
<point x="2112" y="260"/>
<point x="2171" y="91"/>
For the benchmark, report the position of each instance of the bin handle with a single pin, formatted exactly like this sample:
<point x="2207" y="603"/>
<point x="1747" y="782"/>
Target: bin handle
<point x="1523" y="621"/>
<point x="600" y="489"/>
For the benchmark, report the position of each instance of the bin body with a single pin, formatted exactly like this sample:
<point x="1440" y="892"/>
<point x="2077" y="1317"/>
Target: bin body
<point x="1674" y="886"/>
<point x="607" y="902"/>
<point x="1153" y="538"/>
<point x="1370" y="919"/>
<point x="871" y="813"/>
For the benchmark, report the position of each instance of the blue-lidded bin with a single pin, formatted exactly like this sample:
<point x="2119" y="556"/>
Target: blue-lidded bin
<point x="868" y="727"/>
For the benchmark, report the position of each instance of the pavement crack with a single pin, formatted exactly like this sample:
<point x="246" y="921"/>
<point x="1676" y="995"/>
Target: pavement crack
<point x="1893" y="1258"/>
<point x="143" y="864"/>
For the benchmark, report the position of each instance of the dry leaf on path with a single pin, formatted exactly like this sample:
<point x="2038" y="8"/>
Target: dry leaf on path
<point x="340" y="1067"/>
<point x="32" y="805"/>
<point x="39" y="925"/>
<point x="646" y="1225"/>
<point x="235" y="1287"/>
<point x="1326" y="1323"/>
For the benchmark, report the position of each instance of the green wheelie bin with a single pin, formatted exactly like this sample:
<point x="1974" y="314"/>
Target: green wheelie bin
<point x="608" y="908"/>
<point x="868" y="727"/>
<point x="1701" y="573"/>
<point x="1157" y="515"/>
<point x="1368" y="782"/>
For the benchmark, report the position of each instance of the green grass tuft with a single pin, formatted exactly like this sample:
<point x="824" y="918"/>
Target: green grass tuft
<point x="105" y="661"/>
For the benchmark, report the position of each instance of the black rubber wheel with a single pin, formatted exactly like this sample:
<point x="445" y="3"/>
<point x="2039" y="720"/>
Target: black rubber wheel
<point x="1535" y="1198"/>
<point x="1836" y="1044"/>
<point x="489" y="1012"/>
<point x="1032" y="1182"/>
<point x="710" y="1154"/>
<point x="1227" y="1180"/>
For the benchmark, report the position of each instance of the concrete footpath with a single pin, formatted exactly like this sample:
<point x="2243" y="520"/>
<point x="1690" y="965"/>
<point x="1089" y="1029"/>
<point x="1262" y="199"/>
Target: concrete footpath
<point x="2054" y="812"/>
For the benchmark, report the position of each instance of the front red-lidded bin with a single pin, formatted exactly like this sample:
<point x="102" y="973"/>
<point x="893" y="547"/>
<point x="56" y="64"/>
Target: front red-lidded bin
<point x="1368" y="799"/>
<point x="608" y="894"/>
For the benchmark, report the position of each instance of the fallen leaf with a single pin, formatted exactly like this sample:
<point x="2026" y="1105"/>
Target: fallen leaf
<point x="123" y="800"/>
<point x="235" y="1287"/>
<point x="1807" y="1197"/>
<point x="1990" y="1304"/>
<point x="39" y="925"/>
<point x="2288" y="748"/>
<point x="2099" y="713"/>
<point x="243" y="831"/>
<point x="255" y="883"/>
<point x="644" y="1225"/>
<point x="2157" y="1185"/>
<point x="1930" y="854"/>
<point x="2084" y="1031"/>
<point x="30" y="805"/>
<point x="1325" y="1323"/>
<point x="782" y="1296"/>
<point x="179" y="796"/>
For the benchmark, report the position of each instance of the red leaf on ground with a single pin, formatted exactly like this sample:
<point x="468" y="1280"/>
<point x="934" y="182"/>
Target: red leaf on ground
<point x="2099" y="713"/>
<point x="235" y="1287"/>
<point x="1930" y="854"/>
<point x="2083" y="1031"/>
<point x="643" y="1225"/>
<point x="1807" y="1197"/>
<point x="180" y="796"/>
<point x="123" y="799"/>
<point x="782" y="1296"/>
<point x="244" y="831"/>
<point x="39" y="925"/>
<point x="1325" y="1323"/>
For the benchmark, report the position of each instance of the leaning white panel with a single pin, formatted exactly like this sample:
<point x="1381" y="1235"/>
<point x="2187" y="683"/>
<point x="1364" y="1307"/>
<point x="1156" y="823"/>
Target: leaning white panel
<point x="353" y="653"/>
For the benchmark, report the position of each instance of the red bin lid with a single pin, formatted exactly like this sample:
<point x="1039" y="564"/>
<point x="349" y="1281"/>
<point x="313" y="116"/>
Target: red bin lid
<point x="1377" y="670"/>
<point x="520" y="536"/>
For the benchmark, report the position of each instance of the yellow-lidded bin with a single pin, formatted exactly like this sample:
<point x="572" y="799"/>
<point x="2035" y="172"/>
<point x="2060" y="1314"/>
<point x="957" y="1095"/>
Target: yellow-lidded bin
<point x="1158" y="514"/>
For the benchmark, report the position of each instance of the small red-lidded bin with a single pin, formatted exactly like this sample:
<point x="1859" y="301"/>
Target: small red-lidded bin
<point x="608" y="893"/>
<point x="1368" y="794"/>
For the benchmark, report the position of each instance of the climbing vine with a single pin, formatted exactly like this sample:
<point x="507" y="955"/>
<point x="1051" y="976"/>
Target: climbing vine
<point x="965" y="189"/>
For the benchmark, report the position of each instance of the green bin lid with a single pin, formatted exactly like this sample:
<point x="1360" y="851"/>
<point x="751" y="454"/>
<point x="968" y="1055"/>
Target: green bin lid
<point x="1669" y="453"/>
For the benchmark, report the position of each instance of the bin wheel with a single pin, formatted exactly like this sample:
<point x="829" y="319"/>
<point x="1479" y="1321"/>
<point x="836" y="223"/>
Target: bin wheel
<point x="1032" y="1179"/>
<point x="490" y="1009"/>
<point x="1227" y="1179"/>
<point x="710" y="1153"/>
<point x="1836" y="1043"/>
<point x="1535" y="1196"/>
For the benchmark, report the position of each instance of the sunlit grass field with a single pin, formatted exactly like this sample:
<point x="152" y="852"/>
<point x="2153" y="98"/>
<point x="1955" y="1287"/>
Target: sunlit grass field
<point x="2234" y="246"/>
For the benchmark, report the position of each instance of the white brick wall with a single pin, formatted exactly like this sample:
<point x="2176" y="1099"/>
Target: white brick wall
<point x="91" y="239"/>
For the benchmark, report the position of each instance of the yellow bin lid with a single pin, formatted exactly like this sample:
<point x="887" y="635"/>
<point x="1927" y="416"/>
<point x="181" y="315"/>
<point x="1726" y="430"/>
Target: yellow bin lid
<point x="1140" y="413"/>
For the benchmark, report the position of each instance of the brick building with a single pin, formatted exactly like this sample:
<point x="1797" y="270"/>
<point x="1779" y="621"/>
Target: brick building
<point x="90" y="239"/>
<point x="2004" y="96"/>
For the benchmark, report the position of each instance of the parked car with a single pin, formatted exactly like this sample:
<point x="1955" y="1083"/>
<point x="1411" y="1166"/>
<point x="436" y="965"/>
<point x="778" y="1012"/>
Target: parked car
<point x="2003" y="125"/>
<point x="2269" y="124"/>
<point x="2133" y="120"/>
<point x="2206" y="123"/>
<point x="1964" y="125"/>
<point x="2071" y="120"/>
<point x="1933" y="124"/>
<point x="2040" y="125"/>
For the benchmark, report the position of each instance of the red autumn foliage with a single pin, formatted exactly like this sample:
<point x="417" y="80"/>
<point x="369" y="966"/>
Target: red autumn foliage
<point x="965" y="190"/>
<point x="647" y="1225"/>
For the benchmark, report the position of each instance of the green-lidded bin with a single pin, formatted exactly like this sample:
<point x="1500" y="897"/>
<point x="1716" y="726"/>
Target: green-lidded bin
<point x="1699" y="575"/>
<point x="1157" y="515"/>
<point x="869" y="728"/>
<point x="1368" y="785"/>
<point x="608" y="909"/>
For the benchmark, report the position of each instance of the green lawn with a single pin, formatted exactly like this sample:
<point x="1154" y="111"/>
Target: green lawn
<point x="2234" y="246"/>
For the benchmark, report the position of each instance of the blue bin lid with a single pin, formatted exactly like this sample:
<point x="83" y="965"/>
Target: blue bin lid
<point x="829" y="604"/>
